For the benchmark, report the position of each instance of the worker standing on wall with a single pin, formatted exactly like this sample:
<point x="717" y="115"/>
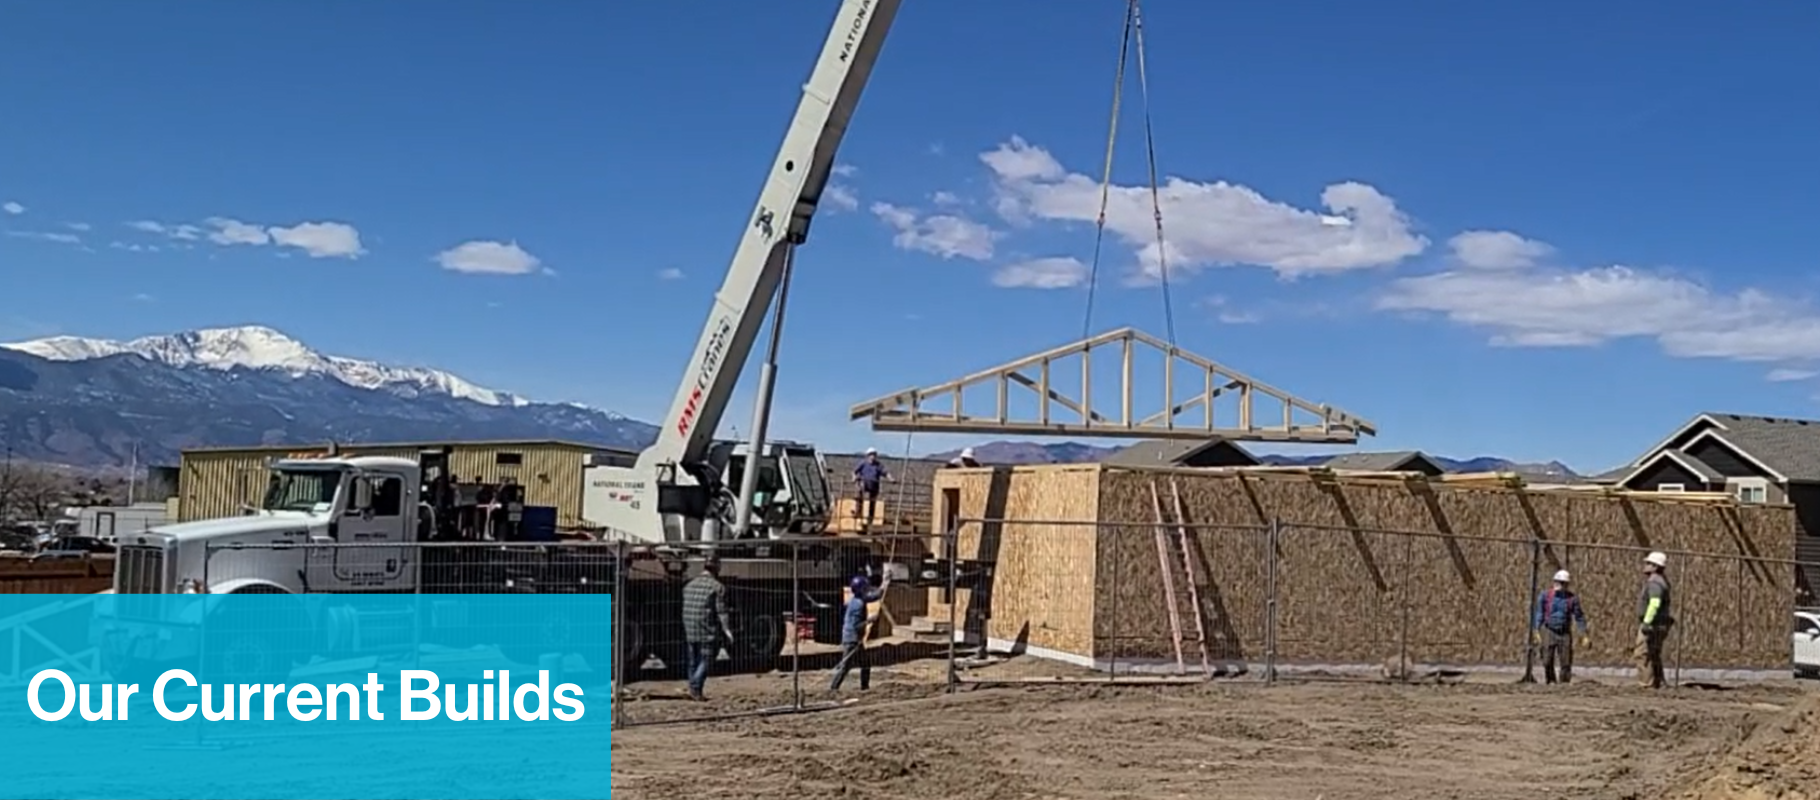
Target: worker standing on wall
<point x="854" y="622"/>
<point x="964" y="460"/>
<point x="1655" y="617"/>
<point x="868" y="476"/>
<point x="1558" y="612"/>
<point x="705" y="623"/>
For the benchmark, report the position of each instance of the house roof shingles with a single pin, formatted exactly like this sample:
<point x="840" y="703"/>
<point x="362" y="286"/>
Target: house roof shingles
<point x="1374" y="462"/>
<point x="1788" y="446"/>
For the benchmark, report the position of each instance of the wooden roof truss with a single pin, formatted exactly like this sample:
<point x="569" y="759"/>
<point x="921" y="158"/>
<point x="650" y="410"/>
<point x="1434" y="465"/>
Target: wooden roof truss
<point x="938" y="408"/>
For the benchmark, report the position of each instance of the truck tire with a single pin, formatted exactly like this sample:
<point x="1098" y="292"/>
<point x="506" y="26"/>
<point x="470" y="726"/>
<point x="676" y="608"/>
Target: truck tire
<point x="126" y="669"/>
<point x="248" y="650"/>
<point x="586" y="638"/>
<point x="760" y="635"/>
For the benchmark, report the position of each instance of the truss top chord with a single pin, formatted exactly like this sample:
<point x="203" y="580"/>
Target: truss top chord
<point x="938" y="408"/>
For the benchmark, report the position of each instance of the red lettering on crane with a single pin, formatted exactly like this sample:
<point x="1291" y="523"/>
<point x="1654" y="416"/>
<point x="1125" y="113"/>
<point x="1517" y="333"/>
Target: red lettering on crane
<point x="710" y="364"/>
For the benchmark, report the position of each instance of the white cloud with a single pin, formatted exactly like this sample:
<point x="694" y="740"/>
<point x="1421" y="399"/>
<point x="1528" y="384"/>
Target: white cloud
<point x="1209" y="224"/>
<point x="1786" y="375"/>
<point x="144" y="298"/>
<point x="59" y="238"/>
<point x="1225" y="314"/>
<point x="943" y="235"/>
<point x="670" y="274"/>
<point x="79" y="226"/>
<point x="841" y="198"/>
<point x="233" y="231"/>
<point x="320" y="239"/>
<point x="489" y="258"/>
<point x="134" y="247"/>
<point x="12" y="207"/>
<point x="1497" y="250"/>
<point x="845" y="170"/>
<point x="185" y="233"/>
<point x="945" y="199"/>
<point x="1042" y="273"/>
<point x="1576" y="308"/>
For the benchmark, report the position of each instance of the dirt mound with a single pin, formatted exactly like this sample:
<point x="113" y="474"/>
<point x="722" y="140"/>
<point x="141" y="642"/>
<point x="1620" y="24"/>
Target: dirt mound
<point x="1778" y="760"/>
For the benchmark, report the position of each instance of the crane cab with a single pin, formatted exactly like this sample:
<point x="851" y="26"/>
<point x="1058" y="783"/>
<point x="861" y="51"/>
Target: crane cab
<point x="792" y="495"/>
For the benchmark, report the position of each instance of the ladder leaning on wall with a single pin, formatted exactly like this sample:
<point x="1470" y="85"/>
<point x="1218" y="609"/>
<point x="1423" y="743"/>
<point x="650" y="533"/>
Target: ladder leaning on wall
<point x="1173" y="535"/>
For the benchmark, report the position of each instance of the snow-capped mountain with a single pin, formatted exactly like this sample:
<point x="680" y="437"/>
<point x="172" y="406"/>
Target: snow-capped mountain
<point x="260" y="347"/>
<point x="95" y="403"/>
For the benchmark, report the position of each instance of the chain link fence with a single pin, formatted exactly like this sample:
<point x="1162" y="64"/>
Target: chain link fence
<point x="1170" y="602"/>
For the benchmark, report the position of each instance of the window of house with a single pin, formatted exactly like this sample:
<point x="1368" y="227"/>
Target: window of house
<point x="1751" y="491"/>
<point x="509" y="459"/>
<point x="1670" y="487"/>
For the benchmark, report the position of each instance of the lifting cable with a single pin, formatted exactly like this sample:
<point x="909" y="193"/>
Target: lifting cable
<point x="1156" y="203"/>
<point x="1112" y="135"/>
<point x="1133" y="30"/>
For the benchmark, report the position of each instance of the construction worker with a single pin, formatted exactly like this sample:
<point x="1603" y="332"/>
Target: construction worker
<point x="868" y="476"/>
<point x="706" y="625"/>
<point x="1557" y="613"/>
<point x="965" y="459"/>
<point x="1655" y="616"/>
<point x="854" y="622"/>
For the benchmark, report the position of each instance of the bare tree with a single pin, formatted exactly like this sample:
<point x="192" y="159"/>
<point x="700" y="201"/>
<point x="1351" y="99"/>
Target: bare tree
<point x="33" y="491"/>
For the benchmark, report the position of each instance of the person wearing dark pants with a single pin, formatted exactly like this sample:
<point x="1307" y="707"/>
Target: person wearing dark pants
<point x="1557" y="613"/>
<point x="705" y="623"/>
<point x="1655" y="616"/>
<point x="868" y="477"/>
<point x="854" y="622"/>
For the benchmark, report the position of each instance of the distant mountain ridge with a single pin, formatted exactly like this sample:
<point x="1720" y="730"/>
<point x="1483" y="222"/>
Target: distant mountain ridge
<point x="1003" y="452"/>
<point x="89" y="402"/>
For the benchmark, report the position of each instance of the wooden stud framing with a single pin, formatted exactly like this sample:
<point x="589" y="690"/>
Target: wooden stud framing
<point x="917" y="409"/>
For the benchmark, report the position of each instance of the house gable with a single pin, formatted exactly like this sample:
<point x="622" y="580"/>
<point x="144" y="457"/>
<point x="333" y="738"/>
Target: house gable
<point x="1682" y="435"/>
<point x="1219" y="454"/>
<point x="1668" y="467"/>
<point x="1731" y="460"/>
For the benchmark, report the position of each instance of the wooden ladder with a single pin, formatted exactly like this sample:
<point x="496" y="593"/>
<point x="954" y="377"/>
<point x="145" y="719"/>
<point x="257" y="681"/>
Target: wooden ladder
<point x="1177" y="530"/>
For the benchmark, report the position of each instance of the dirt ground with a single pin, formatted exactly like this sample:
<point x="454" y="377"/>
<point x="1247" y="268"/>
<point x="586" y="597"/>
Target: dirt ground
<point x="905" y="739"/>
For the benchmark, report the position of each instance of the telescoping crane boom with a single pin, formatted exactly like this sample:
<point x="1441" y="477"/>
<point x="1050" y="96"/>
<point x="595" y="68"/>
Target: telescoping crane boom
<point x="678" y="488"/>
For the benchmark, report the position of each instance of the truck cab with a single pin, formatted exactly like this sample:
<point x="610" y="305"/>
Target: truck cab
<point x="367" y="501"/>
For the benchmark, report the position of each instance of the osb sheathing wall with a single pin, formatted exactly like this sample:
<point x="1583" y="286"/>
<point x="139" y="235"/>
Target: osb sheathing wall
<point x="1344" y="578"/>
<point x="1042" y="589"/>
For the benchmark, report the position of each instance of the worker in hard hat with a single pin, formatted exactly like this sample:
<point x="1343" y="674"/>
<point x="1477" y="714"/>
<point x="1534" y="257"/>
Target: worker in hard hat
<point x="1655" y="616"/>
<point x="854" y="622"/>
<point x="867" y="477"/>
<point x="1557" y="613"/>
<point x="964" y="460"/>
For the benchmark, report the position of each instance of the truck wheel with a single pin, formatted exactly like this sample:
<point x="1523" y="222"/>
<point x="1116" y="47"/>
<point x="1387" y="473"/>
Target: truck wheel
<point x="236" y="653"/>
<point x="760" y="638"/>
<point x="126" y="669"/>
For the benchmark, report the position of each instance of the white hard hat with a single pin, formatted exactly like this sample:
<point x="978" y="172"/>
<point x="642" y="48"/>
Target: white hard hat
<point x="1658" y="558"/>
<point x="1562" y="577"/>
<point x="966" y="452"/>
<point x="871" y="451"/>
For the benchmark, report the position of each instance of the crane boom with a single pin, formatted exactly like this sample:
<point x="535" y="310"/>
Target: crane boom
<point x="780" y="220"/>
<point x="674" y="488"/>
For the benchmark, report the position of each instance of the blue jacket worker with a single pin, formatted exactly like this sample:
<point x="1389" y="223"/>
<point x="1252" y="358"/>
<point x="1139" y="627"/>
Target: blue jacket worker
<point x="867" y="477"/>
<point x="1557" y="613"/>
<point x="853" y="632"/>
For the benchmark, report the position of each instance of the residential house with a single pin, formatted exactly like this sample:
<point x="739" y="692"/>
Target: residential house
<point x="1757" y="459"/>
<point x="1392" y="461"/>
<point x="1182" y="453"/>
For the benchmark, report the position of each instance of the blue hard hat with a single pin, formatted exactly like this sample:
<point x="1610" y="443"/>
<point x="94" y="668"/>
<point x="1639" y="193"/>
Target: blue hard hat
<point x="859" y="583"/>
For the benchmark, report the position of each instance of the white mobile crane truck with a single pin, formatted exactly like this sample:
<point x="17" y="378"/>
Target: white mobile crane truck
<point x="684" y="492"/>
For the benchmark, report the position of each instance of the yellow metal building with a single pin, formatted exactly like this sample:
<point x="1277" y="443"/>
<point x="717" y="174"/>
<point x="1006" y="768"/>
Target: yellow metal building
<point x="215" y="482"/>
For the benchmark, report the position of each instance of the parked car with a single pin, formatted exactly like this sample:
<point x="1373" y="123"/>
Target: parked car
<point x="72" y="547"/>
<point x="1807" y="644"/>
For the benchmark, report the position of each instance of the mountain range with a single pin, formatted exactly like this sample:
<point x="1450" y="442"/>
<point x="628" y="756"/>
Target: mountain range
<point x="92" y="402"/>
<point x="98" y="403"/>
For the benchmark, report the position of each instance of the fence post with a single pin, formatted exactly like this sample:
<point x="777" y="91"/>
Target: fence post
<point x="796" y="616"/>
<point x="1529" y="611"/>
<point x="1118" y="588"/>
<point x="1404" y="599"/>
<point x="620" y="655"/>
<point x="1270" y="602"/>
<point x="951" y="543"/>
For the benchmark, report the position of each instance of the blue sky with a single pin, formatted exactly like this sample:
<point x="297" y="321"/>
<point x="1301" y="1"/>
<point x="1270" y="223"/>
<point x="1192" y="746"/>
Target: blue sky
<point x="1631" y="180"/>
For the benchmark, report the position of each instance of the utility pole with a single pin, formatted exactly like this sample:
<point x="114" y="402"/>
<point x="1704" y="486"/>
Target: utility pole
<point x="132" y="474"/>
